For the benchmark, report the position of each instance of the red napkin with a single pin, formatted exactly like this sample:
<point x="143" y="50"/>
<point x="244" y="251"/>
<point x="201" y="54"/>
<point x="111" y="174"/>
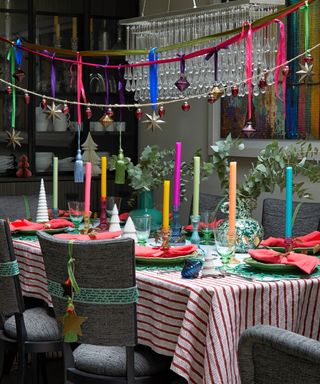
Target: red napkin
<point x="148" y="251"/>
<point x="212" y="225"/>
<point x="123" y="216"/>
<point x="58" y="223"/>
<point x="93" y="236"/>
<point x="306" y="241"/>
<point x="25" y="225"/>
<point x="61" y="213"/>
<point x="306" y="263"/>
<point x="180" y="250"/>
<point x="159" y="252"/>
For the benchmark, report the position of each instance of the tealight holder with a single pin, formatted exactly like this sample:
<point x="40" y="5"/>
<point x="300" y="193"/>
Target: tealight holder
<point x="195" y="238"/>
<point x="288" y="244"/>
<point x="103" y="225"/>
<point x="191" y="268"/>
<point x="176" y="237"/>
<point x="86" y="222"/>
<point x="55" y="213"/>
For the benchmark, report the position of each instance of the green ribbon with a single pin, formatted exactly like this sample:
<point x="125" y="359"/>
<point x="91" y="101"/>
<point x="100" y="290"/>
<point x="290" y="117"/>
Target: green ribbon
<point x="306" y="23"/>
<point x="11" y="57"/>
<point x="71" y="267"/>
<point x="97" y="295"/>
<point x="9" y="268"/>
<point x="26" y="206"/>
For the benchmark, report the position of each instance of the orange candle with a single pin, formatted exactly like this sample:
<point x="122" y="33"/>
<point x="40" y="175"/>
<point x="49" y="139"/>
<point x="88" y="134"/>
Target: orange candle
<point x="232" y="197"/>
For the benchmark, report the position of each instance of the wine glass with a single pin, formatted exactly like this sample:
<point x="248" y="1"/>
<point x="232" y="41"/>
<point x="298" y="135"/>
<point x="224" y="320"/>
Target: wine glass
<point x="205" y="227"/>
<point x="76" y="209"/>
<point x="225" y="245"/>
<point x="143" y="227"/>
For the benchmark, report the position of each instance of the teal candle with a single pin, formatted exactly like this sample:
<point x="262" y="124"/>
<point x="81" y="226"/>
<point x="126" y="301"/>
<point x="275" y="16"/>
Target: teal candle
<point x="55" y="183"/>
<point x="289" y="202"/>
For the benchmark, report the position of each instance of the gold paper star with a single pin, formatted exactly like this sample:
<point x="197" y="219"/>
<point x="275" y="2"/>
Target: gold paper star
<point x="14" y="138"/>
<point x="72" y="323"/>
<point x="306" y="73"/>
<point x="53" y="111"/>
<point x="153" y="121"/>
<point x="106" y="120"/>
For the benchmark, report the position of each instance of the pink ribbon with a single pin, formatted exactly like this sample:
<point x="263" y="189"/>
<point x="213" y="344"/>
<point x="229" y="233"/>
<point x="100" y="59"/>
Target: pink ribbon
<point x="281" y="59"/>
<point x="80" y="88"/>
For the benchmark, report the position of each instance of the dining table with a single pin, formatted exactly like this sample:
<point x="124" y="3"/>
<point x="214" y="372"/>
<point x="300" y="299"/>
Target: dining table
<point x="199" y="321"/>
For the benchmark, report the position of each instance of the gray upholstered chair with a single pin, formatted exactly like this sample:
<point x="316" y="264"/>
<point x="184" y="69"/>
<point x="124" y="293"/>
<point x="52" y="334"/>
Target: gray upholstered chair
<point x="31" y="331"/>
<point x="108" y="352"/>
<point x="273" y="218"/>
<point x="272" y="355"/>
<point x="209" y="202"/>
<point x="19" y="207"/>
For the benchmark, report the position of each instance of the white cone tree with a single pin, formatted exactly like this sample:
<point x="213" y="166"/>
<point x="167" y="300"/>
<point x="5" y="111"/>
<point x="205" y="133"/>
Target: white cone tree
<point x="42" y="211"/>
<point x="129" y="230"/>
<point x="114" y="220"/>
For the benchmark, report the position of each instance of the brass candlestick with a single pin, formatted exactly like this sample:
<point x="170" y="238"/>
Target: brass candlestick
<point x="86" y="222"/>
<point x="165" y="234"/>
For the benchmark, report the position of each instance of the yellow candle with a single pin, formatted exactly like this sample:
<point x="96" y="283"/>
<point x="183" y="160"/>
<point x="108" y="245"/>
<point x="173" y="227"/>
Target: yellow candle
<point x="56" y="26"/>
<point x="232" y="197"/>
<point x="74" y="28"/>
<point x="196" y="186"/>
<point x="166" y="202"/>
<point x="103" y="177"/>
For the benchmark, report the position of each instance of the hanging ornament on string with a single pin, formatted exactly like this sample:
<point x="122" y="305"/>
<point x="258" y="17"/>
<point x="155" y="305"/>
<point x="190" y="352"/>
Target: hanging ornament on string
<point x="185" y="106"/>
<point x="138" y="114"/>
<point x="182" y="83"/>
<point x="106" y="118"/>
<point x="53" y="111"/>
<point x="153" y="121"/>
<point x="18" y="74"/>
<point x="65" y="109"/>
<point x="161" y="111"/>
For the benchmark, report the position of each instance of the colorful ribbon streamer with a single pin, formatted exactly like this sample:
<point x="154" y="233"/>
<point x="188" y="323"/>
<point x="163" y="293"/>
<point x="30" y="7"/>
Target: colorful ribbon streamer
<point x="248" y="33"/>
<point x="53" y="77"/>
<point x="306" y="22"/>
<point x="280" y="59"/>
<point x="18" y="52"/>
<point x="106" y="81"/>
<point x="153" y="78"/>
<point x="11" y="56"/>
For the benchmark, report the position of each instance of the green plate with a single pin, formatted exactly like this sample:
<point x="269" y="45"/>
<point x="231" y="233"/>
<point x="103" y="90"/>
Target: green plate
<point x="267" y="267"/>
<point x="33" y="232"/>
<point x="307" y="251"/>
<point x="163" y="260"/>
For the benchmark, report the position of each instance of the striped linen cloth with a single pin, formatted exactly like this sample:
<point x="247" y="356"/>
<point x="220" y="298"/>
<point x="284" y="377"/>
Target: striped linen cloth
<point x="199" y="321"/>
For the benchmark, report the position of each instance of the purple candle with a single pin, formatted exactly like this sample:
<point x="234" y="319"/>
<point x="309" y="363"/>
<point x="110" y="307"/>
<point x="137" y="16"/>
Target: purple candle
<point x="176" y="186"/>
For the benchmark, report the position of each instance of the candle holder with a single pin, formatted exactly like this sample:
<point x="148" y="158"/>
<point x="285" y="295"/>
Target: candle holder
<point x="55" y="213"/>
<point x="288" y="244"/>
<point x="176" y="237"/>
<point x="195" y="220"/>
<point x="57" y="42"/>
<point x="165" y="235"/>
<point x="86" y="222"/>
<point x="103" y="225"/>
<point x="74" y="43"/>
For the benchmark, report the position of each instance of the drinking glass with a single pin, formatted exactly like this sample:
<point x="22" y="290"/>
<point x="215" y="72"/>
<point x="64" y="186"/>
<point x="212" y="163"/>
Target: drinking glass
<point x="111" y="201"/>
<point x="143" y="227"/>
<point x="205" y="227"/>
<point x="76" y="209"/>
<point x="225" y="245"/>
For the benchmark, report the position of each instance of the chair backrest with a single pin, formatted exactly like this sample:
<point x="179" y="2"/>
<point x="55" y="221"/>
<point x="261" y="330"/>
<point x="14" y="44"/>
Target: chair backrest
<point x="208" y="202"/>
<point x="10" y="291"/>
<point x="273" y="218"/>
<point x="99" y="264"/>
<point x="16" y="207"/>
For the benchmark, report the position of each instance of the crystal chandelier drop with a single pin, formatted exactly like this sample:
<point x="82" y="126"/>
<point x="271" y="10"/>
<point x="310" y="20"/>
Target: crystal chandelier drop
<point x="176" y="27"/>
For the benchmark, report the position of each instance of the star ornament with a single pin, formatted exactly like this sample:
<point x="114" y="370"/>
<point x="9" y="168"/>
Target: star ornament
<point x="53" y="111"/>
<point x="306" y="73"/>
<point x="72" y="323"/>
<point x="14" y="138"/>
<point x="153" y="121"/>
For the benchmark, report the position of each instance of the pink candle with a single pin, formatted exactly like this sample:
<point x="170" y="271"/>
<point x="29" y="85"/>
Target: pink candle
<point x="87" y="188"/>
<point x="176" y="186"/>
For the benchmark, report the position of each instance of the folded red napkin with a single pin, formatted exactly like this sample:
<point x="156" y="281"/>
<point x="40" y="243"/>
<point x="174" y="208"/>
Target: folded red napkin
<point x="159" y="252"/>
<point x="58" y="223"/>
<point x="306" y="263"/>
<point x="212" y="225"/>
<point x="180" y="250"/>
<point x="26" y="225"/>
<point x="92" y="236"/>
<point x="123" y="216"/>
<point x="306" y="241"/>
<point x="148" y="251"/>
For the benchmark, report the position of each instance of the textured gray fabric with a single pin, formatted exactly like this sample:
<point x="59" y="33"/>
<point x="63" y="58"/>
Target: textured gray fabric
<point x="98" y="264"/>
<point x="13" y="207"/>
<point x="39" y="325"/>
<point x="111" y="361"/>
<point x="272" y="355"/>
<point x="8" y="300"/>
<point x="208" y="202"/>
<point x="273" y="218"/>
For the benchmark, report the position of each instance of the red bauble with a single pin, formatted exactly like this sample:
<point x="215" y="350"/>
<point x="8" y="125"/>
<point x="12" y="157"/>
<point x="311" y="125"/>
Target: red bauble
<point x="211" y="99"/>
<point x="8" y="90"/>
<point x="162" y="111"/>
<point x="262" y="83"/>
<point x="19" y="74"/>
<point x="285" y="70"/>
<point x="65" y="108"/>
<point x="109" y="112"/>
<point x="185" y="106"/>
<point x="88" y="113"/>
<point x="138" y="113"/>
<point x="43" y="103"/>
<point x="308" y="59"/>
<point x="26" y="98"/>
<point x="235" y="90"/>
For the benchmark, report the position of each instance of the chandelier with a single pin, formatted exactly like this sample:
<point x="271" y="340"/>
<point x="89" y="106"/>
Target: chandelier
<point x="197" y="75"/>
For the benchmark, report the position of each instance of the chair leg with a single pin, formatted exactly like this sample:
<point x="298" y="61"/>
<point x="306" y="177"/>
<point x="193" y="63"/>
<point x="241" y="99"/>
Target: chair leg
<point x="22" y="365"/>
<point x="34" y="368"/>
<point x="43" y="367"/>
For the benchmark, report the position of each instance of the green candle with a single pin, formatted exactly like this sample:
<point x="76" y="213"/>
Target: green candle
<point x="55" y="183"/>
<point x="196" y="185"/>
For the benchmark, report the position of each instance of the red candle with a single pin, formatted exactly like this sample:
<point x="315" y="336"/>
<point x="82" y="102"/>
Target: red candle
<point x="87" y="190"/>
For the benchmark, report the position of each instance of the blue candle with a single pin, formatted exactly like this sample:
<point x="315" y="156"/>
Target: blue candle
<point x="288" y="202"/>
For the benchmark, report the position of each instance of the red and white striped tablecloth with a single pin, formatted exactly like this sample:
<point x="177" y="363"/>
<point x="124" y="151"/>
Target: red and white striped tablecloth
<point x="199" y="321"/>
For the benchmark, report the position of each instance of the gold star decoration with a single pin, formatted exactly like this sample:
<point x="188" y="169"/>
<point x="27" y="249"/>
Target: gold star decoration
<point x="53" y="111"/>
<point x="14" y="138"/>
<point x="306" y="73"/>
<point x="72" y="323"/>
<point x="153" y="121"/>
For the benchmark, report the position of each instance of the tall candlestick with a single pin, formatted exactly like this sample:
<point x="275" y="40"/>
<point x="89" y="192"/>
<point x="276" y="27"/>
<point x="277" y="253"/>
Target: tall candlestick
<point x="74" y="28"/>
<point x="55" y="184"/>
<point x="56" y="27"/>
<point x="288" y="202"/>
<point x="87" y="188"/>
<point x="232" y="197"/>
<point x="176" y="186"/>
<point x="196" y="185"/>
<point x="166" y="202"/>
<point x="103" y="177"/>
